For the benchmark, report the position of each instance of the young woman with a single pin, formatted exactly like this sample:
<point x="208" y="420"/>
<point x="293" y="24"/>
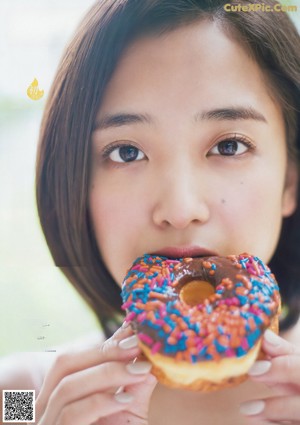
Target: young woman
<point x="172" y="127"/>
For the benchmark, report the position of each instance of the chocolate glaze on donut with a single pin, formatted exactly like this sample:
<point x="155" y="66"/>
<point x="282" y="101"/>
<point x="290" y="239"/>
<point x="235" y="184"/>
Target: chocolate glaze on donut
<point x="165" y="305"/>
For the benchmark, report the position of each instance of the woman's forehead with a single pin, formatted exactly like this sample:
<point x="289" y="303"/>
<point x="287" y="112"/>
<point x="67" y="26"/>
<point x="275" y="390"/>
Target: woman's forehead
<point x="193" y="69"/>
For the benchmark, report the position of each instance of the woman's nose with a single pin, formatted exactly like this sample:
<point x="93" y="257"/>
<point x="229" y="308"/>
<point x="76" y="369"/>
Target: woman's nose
<point x="180" y="201"/>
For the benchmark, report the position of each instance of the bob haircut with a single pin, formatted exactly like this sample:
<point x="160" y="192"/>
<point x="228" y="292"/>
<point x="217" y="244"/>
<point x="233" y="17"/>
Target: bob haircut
<point x="63" y="160"/>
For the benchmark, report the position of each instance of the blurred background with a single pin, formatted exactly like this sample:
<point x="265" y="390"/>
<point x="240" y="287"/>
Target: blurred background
<point x="38" y="307"/>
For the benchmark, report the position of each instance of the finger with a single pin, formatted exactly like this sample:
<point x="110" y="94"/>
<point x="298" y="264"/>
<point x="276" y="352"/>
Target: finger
<point x="142" y="393"/>
<point x="253" y="420"/>
<point x="68" y="363"/>
<point x="274" y="409"/>
<point x="90" y="409"/>
<point x="101" y="378"/>
<point x="274" y="345"/>
<point x="282" y="389"/>
<point x="282" y="370"/>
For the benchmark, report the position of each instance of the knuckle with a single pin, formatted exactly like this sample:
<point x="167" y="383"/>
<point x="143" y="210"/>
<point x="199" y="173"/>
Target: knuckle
<point x="272" y="409"/>
<point x="294" y="349"/>
<point x="292" y="363"/>
<point x="107" y="347"/>
<point x="64" y="389"/>
<point x="282" y="409"/>
<point x="62" y="362"/>
<point x="106" y="372"/>
<point x="286" y="368"/>
<point x="115" y="374"/>
<point x="97" y="400"/>
<point x="67" y="416"/>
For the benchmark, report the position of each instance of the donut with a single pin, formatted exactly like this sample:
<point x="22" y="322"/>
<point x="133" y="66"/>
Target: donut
<point x="200" y="321"/>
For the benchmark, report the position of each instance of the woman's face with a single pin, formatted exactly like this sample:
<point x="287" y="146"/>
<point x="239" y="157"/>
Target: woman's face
<point x="189" y="153"/>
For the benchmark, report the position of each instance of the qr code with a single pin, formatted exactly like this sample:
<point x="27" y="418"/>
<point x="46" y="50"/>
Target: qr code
<point x="18" y="406"/>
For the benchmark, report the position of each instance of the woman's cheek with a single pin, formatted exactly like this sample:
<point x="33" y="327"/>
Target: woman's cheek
<point x="263" y="220"/>
<point x="118" y="216"/>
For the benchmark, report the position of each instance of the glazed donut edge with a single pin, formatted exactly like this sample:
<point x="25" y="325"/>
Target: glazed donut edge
<point x="208" y="376"/>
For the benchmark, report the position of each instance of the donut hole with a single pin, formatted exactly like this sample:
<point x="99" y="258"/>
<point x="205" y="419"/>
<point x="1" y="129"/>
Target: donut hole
<point x="195" y="292"/>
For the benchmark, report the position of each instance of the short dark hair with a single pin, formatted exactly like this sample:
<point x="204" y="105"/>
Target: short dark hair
<point x="63" y="160"/>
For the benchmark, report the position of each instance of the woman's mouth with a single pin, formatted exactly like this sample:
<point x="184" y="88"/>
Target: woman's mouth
<point x="184" y="251"/>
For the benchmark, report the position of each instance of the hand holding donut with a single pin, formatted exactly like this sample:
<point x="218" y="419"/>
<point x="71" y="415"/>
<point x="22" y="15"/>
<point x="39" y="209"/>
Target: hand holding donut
<point x="281" y="372"/>
<point x="98" y="386"/>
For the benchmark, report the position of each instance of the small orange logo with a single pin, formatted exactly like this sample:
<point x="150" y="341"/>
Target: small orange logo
<point x="33" y="91"/>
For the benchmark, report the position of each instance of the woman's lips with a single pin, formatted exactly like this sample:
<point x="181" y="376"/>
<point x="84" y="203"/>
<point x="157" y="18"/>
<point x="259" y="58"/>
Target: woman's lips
<point x="185" y="251"/>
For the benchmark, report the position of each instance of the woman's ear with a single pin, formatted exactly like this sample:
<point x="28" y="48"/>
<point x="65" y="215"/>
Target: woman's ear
<point x="289" y="197"/>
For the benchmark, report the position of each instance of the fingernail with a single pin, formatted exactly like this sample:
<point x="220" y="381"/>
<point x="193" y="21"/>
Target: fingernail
<point x="272" y="338"/>
<point x="252" y="407"/>
<point x="130" y="342"/>
<point x="125" y="325"/>
<point x="259" y="368"/>
<point x="122" y="397"/>
<point x="139" y="367"/>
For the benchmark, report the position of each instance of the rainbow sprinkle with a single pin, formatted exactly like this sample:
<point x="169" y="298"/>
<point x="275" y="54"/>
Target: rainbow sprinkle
<point x="226" y="324"/>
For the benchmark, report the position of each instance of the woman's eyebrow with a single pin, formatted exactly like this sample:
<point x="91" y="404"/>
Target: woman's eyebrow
<point x="117" y="120"/>
<point x="233" y="113"/>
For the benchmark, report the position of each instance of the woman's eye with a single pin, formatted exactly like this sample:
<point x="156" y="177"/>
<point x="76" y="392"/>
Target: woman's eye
<point x="126" y="153"/>
<point x="230" y="147"/>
